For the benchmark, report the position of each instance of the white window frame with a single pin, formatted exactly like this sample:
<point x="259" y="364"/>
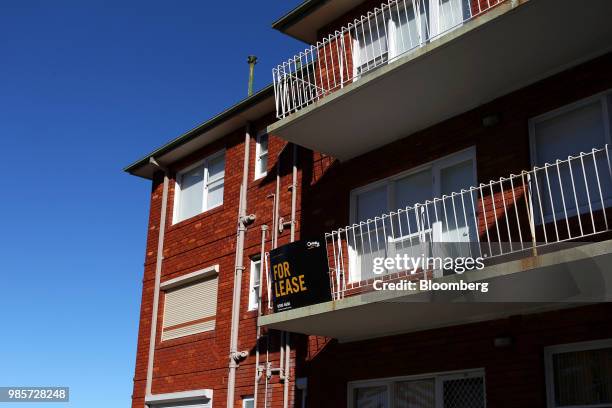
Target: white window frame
<point x="177" y="186"/>
<point x="438" y="377"/>
<point x="533" y="156"/>
<point x="254" y="292"/>
<point x="434" y="165"/>
<point x="247" y="399"/>
<point x="258" y="154"/>
<point x="550" y="351"/>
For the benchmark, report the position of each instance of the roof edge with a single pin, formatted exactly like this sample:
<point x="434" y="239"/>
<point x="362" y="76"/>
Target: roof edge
<point x="194" y="132"/>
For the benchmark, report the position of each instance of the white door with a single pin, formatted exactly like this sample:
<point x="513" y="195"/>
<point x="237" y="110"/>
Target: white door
<point x="456" y="223"/>
<point x="455" y="227"/>
<point x="367" y="240"/>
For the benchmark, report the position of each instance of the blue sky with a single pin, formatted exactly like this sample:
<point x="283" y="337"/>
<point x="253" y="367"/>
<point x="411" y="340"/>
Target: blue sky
<point x="86" y="87"/>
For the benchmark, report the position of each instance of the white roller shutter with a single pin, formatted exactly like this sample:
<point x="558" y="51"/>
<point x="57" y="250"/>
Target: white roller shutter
<point x="190" y="309"/>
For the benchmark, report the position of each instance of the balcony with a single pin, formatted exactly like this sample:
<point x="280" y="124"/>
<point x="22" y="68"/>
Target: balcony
<point x="408" y="65"/>
<point x="544" y="237"/>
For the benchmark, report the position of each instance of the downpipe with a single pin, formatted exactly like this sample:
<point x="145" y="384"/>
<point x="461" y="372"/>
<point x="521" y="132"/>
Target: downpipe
<point x="287" y="372"/>
<point x="244" y="220"/>
<point x="262" y="254"/>
<point x="158" y="267"/>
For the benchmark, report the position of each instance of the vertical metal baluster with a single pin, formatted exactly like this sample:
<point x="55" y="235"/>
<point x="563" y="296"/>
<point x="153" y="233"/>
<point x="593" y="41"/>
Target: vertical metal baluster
<point x="501" y="251"/>
<point x="467" y="225"/>
<point x="407" y="26"/>
<point x="586" y="187"/>
<point x="550" y="196"/>
<point x="558" y="163"/>
<point x="518" y="224"/>
<point x="475" y="215"/>
<point x="484" y="213"/>
<point x="603" y="204"/>
<point x="578" y="215"/>
<point x="409" y="231"/>
<point x="542" y="220"/>
<point x="399" y="19"/>
<point x="503" y="195"/>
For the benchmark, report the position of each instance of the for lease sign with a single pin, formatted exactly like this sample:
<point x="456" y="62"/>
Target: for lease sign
<point x="299" y="275"/>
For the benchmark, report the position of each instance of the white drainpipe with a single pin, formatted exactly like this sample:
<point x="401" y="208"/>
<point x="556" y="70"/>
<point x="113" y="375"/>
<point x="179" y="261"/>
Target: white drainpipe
<point x="243" y="220"/>
<point x="264" y="229"/>
<point x="293" y="222"/>
<point x="158" y="267"/>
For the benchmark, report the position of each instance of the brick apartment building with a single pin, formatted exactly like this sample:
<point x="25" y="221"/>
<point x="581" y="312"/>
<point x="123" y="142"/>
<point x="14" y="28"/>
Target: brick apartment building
<point x="481" y="124"/>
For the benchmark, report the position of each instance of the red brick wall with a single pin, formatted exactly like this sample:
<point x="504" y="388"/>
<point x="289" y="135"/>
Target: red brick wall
<point x="514" y="376"/>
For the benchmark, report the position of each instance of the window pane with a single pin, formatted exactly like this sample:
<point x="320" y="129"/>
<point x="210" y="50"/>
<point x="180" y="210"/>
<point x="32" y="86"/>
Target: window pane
<point x="372" y="43"/>
<point x="263" y="144"/>
<point x="262" y="164"/>
<point x="215" y="194"/>
<point x="451" y="14"/>
<point x="248" y="403"/>
<point x="216" y="168"/>
<point x="413" y="189"/>
<point x="370" y="397"/>
<point x="464" y="393"/>
<point x="372" y="203"/>
<point x="570" y="133"/>
<point x="255" y="270"/>
<point x="191" y="185"/>
<point x="414" y="394"/>
<point x="452" y="180"/>
<point x="407" y="34"/>
<point x="583" y="377"/>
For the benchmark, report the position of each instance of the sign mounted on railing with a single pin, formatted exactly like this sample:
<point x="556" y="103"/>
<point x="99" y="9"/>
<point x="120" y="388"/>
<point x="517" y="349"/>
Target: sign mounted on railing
<point x="299" y="275"/>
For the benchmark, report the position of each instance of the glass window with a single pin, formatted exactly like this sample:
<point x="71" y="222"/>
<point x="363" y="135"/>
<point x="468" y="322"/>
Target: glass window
<point x="404" y="232"/>
<point x="571" y="186"/>
<point x="255" y="271"/>
<point x="199" y="188"/>
<point x="248" y="402"/>
<point x="415" y="394"/>
<point x="261" y="155"/>
<point x="463" y="389"/>
<point x="191" y="185"/>
<point x="580" y="375"/>
<point x="371" y="397"/>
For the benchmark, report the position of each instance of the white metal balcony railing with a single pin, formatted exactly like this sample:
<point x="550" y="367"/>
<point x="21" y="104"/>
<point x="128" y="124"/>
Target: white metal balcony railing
<point x="377" y="38"/>
<point x="549" y="204"/>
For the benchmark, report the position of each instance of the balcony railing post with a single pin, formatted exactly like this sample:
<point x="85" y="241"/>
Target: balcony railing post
<point x="529" y="206"/>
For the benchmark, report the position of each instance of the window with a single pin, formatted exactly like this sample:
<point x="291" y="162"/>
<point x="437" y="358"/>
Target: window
<point x="403" y="27"/>
<point x="248" y="402"/>
<point x="369" y="45"/>
<point x="579" y="375"/>
<point x="190" y="307"/>
<point x="464" y="389"/>
<point x="199" y="187"/>
<point x="255" y="271"/>
<point x="573" y="129"/>
<point x="261" y="155"/>
<point x="444" y="176"/>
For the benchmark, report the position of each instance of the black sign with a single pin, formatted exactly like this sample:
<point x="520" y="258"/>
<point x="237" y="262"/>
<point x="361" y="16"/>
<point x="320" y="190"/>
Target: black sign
<point x="299" y="275"/>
